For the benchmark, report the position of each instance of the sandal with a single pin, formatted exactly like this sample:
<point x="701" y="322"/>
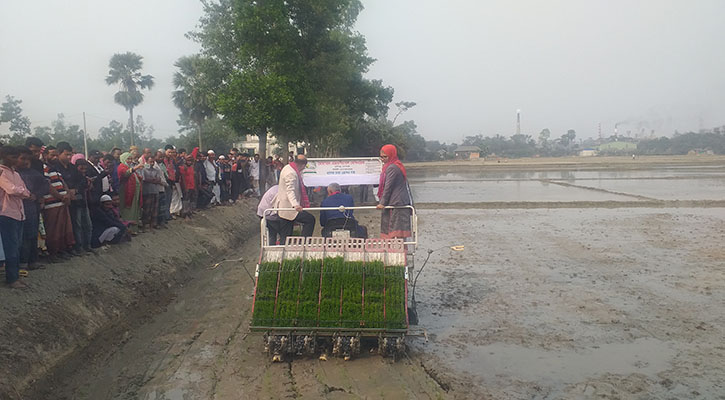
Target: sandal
<point x="23" y="273"/>
<point x="17" y="285"/>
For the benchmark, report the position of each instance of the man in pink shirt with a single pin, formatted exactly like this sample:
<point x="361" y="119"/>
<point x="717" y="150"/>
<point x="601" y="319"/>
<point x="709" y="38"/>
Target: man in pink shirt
<point x="12" y="213"/>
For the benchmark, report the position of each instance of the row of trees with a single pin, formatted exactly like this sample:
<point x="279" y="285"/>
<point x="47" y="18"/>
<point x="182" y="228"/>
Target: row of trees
<point x="566" y="145"/>
<point x="294" y="68"/>
<point x="117" y="134"/>
<point x="684" y="143"/>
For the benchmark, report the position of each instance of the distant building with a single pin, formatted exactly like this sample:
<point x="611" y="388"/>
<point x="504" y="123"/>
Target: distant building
<point x="700" y="152"/>
<point x="251" y="145"/>
<point x="626" y="147"/>
<point x="467" y="152"/>
<point x="587" y="153"/>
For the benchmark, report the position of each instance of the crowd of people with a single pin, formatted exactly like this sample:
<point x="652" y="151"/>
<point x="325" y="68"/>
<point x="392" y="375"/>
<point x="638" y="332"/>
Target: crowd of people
<point x="55" y="204"/>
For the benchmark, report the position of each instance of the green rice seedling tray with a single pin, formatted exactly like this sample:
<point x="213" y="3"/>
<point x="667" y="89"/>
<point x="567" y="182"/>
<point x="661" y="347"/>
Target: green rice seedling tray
<point x="330" y="293"/>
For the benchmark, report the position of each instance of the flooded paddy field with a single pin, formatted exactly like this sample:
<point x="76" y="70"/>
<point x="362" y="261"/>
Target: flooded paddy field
<point x="509" y="190"/>
<point x="493" y="185"/>
<point x="601" y="299"/>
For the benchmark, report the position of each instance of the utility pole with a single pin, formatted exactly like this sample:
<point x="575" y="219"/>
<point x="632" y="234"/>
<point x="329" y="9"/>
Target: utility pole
<point x="85" y="135"/>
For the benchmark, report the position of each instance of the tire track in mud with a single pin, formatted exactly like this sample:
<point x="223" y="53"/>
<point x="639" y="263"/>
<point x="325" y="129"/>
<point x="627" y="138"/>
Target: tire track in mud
<point x="599" y="190"/>
<point x="292" y="381"/>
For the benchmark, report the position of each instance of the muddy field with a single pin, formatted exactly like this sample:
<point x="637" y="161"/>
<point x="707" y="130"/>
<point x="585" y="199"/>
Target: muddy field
<point x="574" y="282"/>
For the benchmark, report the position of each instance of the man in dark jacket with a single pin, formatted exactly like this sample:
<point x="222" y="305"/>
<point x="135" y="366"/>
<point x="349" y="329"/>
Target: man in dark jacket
<point x="35" y="146"/>
<point x="107" y="227"/>
<point x="332" y="220"/>
<point x="77" y="187"/>
<point x="100" y="182"/>
<point x="204" y="194"/>
<point x="38" y="186"/>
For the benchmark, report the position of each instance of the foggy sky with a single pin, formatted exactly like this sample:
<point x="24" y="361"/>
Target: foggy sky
<point x="469" y="64"/>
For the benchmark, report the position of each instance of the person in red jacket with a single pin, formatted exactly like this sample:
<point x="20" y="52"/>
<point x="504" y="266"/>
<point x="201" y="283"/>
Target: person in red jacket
<point x="188" y="187"/>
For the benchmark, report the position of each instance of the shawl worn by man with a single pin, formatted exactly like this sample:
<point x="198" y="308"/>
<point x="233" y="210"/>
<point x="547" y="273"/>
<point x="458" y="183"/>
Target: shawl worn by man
<point x="130" y="191"/>
<point x="292" y="192"/>
<point x="304" y="201"/>
<point x="129" y="179"/>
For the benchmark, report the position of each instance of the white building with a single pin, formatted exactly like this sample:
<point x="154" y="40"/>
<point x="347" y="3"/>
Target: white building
<point x="250" y="145"/>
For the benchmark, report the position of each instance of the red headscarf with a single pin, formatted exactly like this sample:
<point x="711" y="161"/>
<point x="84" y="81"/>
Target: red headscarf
<point x="392" y="152"/>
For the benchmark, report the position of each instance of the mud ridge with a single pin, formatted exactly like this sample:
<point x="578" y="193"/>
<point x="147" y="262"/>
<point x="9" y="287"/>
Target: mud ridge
<point x="75" y="312"/>
<point x="565" y="184"/>
<point x="571" y="163"/>
<point x="490" y="205"/>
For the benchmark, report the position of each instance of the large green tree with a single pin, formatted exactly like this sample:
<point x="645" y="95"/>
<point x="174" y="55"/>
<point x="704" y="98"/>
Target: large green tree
<point x="291" y="67"/>
<point x="195" y="83"/>
<point x="125" y="71"/>
<point x="251" y="44"/>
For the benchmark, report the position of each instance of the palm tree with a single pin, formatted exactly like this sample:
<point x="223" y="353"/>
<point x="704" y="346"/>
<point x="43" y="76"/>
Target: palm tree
<point x="125" y="70"/>
<point x="194" y="88"/>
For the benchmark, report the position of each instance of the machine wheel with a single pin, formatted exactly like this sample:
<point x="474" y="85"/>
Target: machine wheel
<point x="345" y="346"/>
<point x="277" y="346"/>
<point x="391" y="346"/>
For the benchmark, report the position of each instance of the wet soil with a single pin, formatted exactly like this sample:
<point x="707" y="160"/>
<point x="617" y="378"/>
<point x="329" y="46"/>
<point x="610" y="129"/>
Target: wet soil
<point x="567" y="303"/>
<point x="607" y="298"/>
<point x="199" y="347"/>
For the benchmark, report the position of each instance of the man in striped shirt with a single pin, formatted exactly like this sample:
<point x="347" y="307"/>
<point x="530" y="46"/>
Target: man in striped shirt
<point x="56" y="215"/>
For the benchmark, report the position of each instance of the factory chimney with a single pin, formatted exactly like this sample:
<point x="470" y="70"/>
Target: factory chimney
<point x="600" y="132"/>
<point x="518" y="122"/>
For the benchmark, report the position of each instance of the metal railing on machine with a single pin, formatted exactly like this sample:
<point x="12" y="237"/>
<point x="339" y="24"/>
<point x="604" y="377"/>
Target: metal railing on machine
<point x="413" y="242"/>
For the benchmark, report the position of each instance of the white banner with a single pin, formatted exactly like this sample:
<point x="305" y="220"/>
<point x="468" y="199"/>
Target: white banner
<point x="345" y="171"/>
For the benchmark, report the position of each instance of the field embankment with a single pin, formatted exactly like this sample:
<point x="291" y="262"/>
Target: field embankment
<point x="75" y="304"/>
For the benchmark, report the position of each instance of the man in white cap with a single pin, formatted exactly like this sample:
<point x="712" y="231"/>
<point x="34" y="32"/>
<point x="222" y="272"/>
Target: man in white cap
<point x="107" y="226"/>
<point x="212" y="175"/>
<point x="225" y="170"/>
<point x="254" y="173"/>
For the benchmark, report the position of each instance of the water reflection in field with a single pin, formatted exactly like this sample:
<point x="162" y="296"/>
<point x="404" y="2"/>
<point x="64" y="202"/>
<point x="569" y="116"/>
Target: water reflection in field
<point x="670" y="183"/>
<point x="482" y="191"/>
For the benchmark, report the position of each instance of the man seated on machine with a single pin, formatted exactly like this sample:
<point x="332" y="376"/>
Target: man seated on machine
<point x="332" y="220"/>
